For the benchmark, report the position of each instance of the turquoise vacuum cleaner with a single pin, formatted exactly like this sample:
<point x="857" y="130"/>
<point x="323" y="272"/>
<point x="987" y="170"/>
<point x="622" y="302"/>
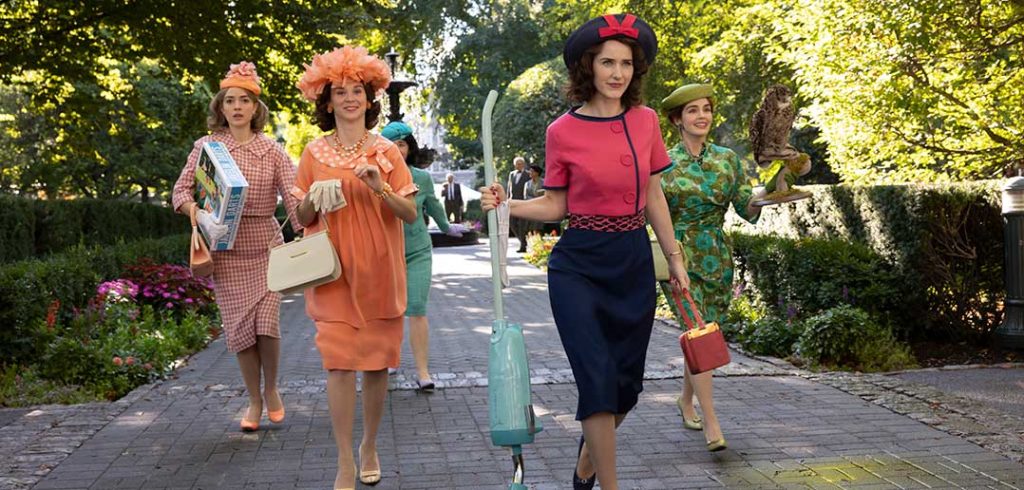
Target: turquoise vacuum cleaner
<point x="513" y="421"/>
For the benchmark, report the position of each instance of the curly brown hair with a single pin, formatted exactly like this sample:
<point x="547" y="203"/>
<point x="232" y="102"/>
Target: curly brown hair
<point x="325" y="120"/>
<point x="581" y="75"/>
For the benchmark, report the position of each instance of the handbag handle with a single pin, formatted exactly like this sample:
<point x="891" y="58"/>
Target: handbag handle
<point x="195" y="227"/>
<point x="693" y="308"/>
<point x="287" y="217"/>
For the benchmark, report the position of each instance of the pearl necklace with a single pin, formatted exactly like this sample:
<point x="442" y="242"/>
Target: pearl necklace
<point x="348" y="151"/>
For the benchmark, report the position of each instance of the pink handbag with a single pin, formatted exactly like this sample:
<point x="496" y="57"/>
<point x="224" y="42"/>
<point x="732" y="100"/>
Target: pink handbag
<point x="199" y="258"/>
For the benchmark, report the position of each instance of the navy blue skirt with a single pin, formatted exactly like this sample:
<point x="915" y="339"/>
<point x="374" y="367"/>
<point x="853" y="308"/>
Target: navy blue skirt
<point x="603" y="298"/>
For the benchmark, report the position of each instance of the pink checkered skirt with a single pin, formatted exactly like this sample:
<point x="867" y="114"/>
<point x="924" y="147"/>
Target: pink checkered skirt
<point x="247" y="307"/>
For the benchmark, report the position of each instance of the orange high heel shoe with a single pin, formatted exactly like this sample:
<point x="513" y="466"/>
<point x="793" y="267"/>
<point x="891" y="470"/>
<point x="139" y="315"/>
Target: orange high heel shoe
<point x="248" y="426"/>
<point x="276" y="416"/>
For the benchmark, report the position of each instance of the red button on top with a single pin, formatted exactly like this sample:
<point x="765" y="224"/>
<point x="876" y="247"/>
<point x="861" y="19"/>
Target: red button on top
<point x="626" y="159"/>
<point x="616" y="127"/>
<point x="629" y="198"/>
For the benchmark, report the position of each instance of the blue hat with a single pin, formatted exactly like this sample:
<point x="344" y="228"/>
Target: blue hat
<point x="600" y="29"/>
<point x="396" y="130"/>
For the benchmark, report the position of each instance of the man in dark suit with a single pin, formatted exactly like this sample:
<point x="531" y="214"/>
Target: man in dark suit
<point x="452" y="199"/>
<point x="517" y="180"/>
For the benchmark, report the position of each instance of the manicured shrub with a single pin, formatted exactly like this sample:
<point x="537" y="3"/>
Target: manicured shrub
<point x="31" y="228"/>
<point x="943" y="241"/>
<point x="849" y="337"/>
<point x="771" y="336"/>
<point x="799" y="278"/>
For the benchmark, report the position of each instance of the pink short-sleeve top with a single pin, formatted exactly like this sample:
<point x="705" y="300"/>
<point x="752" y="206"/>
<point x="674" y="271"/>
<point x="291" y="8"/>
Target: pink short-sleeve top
<point x="604" y="163"/>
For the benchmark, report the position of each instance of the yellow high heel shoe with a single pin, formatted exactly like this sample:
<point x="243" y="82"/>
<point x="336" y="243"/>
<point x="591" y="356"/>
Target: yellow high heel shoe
<point x="717" y="445"/>
<point x="695" y="424"/>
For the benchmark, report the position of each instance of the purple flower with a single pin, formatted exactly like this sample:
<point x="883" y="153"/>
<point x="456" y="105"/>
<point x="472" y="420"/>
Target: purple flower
<point x="169" y="305"/>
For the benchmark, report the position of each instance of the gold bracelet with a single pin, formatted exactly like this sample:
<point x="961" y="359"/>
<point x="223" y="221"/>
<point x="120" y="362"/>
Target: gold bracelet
<point x="677" y="252"/>
<point x="385" y="191"/>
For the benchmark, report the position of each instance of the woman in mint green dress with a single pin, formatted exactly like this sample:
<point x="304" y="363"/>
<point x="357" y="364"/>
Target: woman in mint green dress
<point x="419" y="251"/>
<point x="703" y="181"/>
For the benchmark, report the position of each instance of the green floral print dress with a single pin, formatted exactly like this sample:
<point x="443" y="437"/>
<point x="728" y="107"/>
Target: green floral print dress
<point x="699" y="191"/>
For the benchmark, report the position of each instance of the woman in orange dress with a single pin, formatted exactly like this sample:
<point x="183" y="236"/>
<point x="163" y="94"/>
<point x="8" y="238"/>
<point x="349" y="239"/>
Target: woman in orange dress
<point x="356" y="184"/>
<point x="249" y="311"/>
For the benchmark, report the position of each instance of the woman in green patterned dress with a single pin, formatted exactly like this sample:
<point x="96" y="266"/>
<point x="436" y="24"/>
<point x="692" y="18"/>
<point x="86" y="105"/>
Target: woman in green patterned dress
<point x="703" y="181"/>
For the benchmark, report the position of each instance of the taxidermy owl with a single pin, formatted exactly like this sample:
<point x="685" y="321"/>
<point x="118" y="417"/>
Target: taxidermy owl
<point x="780" y="164"/>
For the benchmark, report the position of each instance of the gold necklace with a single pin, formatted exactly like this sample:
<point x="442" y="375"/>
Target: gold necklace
<point x="347" y="151"/>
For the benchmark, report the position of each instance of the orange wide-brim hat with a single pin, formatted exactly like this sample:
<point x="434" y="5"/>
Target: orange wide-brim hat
<point x="346" y="63"/>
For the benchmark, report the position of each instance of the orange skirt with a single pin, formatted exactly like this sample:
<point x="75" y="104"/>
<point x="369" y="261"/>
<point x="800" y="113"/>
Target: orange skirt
<point x="375" y="346"/>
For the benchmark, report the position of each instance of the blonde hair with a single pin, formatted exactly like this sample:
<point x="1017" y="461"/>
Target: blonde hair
<point x="215" y="115"/>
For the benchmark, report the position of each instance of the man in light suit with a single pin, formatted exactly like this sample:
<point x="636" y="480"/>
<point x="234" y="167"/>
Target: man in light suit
<point x="452" y="199"/>
<point x="517" y="180"/>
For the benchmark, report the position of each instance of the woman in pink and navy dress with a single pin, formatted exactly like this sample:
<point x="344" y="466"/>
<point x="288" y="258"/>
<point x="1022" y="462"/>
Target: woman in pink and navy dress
<point x="603" y="160"/>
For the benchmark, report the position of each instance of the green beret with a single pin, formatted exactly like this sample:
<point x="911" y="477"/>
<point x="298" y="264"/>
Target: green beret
<point x="396" y="130"/>
<point x="686" y="94"/>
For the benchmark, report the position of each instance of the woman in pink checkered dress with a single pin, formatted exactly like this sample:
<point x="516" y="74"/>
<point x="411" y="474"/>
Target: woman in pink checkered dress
<point x="249" y="311"/>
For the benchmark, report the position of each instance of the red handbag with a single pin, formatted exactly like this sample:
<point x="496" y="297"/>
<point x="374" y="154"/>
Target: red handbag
<point x="703" y="344"/>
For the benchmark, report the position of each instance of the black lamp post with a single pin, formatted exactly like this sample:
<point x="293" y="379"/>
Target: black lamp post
<point x="395" y="88"/>
<point x="1011" y="333"/>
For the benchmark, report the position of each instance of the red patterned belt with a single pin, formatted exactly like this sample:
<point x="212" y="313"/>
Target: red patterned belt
<point x="597" y="222"/>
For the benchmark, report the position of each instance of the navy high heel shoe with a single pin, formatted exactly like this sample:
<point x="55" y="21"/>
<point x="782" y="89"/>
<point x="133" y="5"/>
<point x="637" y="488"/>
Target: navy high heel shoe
<point x="581" y="483"/>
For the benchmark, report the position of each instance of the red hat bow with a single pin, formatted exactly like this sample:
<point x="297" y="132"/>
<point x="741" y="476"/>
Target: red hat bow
<point x="615" y="28"/>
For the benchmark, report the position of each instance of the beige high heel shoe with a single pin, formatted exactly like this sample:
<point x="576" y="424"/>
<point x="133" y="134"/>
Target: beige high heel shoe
<point x="369" y="477"/>
<point x="717" y="445"/>
<point x="695" y="424"/>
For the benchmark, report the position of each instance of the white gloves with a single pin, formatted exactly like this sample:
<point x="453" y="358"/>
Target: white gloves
<point x="456" y="230"/>
<point x="211" y="230"/>
<point x="326" y="196"/>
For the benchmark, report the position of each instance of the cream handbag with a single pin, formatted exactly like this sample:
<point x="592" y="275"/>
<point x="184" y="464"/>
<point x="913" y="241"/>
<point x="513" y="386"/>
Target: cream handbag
<point x="660" y="262"/>
<point x="303" y="263"/>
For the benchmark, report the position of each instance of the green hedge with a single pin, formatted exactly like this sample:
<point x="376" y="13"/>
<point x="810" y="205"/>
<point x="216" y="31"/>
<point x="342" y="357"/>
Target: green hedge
<point x="28" y="287"/>
<point x="33" y="228"/>
<point x="801" y="278"/>
<point x="943" y="242"/>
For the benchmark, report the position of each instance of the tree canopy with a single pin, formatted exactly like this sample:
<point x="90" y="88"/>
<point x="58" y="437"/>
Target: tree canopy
<point x="895" y="90"/>
<point x="103" y="98"/>
<point x="496" y="46"/>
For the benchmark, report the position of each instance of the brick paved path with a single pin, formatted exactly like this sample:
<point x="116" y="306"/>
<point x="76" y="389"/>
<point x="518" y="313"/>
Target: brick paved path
<point x="784" y="430"/>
